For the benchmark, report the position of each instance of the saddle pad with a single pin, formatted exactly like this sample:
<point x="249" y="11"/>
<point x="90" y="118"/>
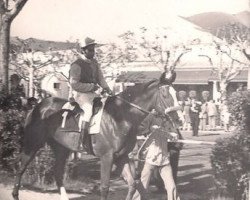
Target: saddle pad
<point x="95" y="123"/>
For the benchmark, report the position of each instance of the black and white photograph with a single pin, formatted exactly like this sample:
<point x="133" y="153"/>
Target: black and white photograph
<point x="125" y="99"/>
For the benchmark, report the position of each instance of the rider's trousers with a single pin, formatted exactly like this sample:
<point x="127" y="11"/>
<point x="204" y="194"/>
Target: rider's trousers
<point x="85" y="101"/>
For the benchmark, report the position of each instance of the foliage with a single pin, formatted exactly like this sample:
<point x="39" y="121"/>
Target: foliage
<point x="9" y="9"/>
<point x="10" y="137"/>
<point x="238" y="104"/>
<point x="228" y="55"/>
<point x="230" y="157"/>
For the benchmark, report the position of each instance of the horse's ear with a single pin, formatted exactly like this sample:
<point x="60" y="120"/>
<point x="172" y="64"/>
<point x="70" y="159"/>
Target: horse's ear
<point x="167" y="77"/>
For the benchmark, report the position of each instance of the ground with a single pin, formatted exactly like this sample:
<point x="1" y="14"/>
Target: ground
<point x="195" y="178"/>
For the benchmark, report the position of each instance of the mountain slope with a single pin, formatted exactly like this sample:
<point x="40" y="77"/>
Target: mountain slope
<point x="40" y="45"/>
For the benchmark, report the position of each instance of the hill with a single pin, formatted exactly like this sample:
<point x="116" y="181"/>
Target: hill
<point x="40" y="45"/>
<point x="212" y="21"/>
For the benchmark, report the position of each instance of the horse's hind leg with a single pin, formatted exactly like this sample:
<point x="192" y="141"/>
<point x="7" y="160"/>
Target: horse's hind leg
<point x="106" y="166"/>
<point x="34" y="139"/>
<point x="61" y="154"/>
<point x="26" y="157"/>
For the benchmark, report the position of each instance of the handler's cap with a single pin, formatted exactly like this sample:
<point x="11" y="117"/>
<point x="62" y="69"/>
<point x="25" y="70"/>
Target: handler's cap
<point x="87" y="42"/>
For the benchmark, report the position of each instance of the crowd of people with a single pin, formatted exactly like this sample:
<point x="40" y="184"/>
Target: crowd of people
<point x="206" y="116"/>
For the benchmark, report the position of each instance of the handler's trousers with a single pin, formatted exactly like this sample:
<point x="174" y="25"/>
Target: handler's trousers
<point x="166" y="175"/>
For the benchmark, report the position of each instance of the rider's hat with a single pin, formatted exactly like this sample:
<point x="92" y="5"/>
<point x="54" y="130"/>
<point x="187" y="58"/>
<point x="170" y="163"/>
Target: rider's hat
<point x="87" y="42"/>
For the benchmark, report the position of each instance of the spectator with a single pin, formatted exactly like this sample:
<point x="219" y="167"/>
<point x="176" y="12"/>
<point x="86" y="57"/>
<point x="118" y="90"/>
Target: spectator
<point x="194" y="115"/>
<point x="17" y="93"/>
<point x="186" y="114"/>
<point x="212" y="114"/>
<point x="203" y="116"/>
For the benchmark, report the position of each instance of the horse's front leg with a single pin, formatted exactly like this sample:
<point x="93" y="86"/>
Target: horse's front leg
<point x="106" y="166"/>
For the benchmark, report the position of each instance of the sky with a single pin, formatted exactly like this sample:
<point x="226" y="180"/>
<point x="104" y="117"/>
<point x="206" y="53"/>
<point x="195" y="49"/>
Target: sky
<point x="62" y="20"/>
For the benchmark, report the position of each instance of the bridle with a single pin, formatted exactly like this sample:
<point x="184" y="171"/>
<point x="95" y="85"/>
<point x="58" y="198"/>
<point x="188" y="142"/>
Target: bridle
<point x="146" y="111"/>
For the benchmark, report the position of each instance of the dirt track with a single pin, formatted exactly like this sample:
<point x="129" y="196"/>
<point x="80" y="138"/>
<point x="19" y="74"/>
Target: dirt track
<point x="194" y="183"/>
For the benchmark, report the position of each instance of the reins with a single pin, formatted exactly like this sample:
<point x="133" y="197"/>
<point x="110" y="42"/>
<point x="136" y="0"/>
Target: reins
<point x="134" y="105"/>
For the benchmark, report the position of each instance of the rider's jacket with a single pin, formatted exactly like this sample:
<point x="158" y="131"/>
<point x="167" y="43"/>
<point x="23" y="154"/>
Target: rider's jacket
<point x="85" y="74"/>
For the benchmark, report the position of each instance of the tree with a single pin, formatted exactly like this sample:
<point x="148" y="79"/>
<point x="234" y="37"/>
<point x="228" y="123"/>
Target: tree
<point x="9" y="9"/>
<point x="114" y="56"/>
<point x="228" y="55"/>
<point x="33" y="65"/>
<point x="237" y="35"/>
<point x="155" y="48"/>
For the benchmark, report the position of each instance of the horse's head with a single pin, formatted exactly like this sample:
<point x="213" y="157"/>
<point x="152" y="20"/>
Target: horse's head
<point x="145" y="94"/>
<point x="167" y="77"/>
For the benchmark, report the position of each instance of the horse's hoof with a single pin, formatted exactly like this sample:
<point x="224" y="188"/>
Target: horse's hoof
<point x="15" y="196"/>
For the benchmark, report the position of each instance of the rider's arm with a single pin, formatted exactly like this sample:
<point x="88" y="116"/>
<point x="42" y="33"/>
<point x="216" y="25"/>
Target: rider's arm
<point x="101" y="80"/>
<point x="75" y="76"/>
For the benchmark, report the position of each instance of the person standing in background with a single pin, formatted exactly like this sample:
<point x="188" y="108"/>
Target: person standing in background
<point x="212" y="114"/>
<point x="203" y="116"/>
<point x="186" y="114"/>
<point x="194" y="115"/>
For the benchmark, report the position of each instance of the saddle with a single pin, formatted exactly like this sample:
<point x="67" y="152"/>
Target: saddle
<point x="68" y="133"/>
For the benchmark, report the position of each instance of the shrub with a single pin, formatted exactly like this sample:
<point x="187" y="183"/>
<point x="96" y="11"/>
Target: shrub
<point x="230" y="157"/>
<point x="238" y="105"/>
<point x="11" y="135"/>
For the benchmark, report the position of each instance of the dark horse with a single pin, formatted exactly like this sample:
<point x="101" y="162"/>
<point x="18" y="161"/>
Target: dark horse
<point x="115" y="141"/>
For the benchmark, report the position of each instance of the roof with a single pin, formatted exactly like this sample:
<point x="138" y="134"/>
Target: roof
<point x="184" y="76"/>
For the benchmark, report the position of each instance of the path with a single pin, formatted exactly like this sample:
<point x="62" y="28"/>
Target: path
<point x="195" y="176"/>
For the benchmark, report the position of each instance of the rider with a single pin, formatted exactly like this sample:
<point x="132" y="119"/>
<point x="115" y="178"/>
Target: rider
<point x="86" y="79"/>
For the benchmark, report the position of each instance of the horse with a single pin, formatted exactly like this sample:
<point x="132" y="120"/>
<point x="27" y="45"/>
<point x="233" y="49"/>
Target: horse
<point x="122" y="115"/>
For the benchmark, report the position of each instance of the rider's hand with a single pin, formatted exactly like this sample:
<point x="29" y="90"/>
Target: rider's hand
<point x="108" y="91"/>
<point x="96" y="87"/>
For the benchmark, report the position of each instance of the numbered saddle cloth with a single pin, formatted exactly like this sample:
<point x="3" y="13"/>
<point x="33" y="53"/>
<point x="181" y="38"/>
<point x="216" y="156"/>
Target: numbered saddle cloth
<point x="68" y="134"/>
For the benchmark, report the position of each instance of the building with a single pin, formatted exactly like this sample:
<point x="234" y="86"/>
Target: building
<point x="194" y="72"/>
<point x="56" y="85"/>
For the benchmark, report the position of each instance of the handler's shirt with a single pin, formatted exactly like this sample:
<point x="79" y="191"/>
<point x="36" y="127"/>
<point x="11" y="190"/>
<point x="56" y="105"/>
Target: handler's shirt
<point x="157" y="151"/>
